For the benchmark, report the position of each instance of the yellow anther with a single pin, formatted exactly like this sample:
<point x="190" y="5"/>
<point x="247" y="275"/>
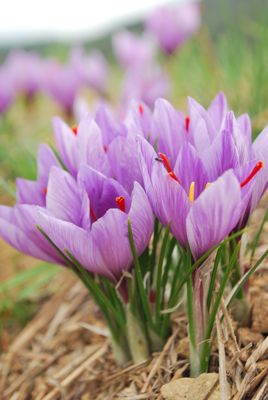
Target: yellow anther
<point x="191" y="192"/>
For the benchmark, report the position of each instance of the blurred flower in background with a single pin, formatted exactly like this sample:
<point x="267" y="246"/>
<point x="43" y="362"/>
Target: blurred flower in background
<point x="6" y="90"/>
<point x="26" y="72"/>
<point x="133" y="51"/>
<point x="171" y="26"/>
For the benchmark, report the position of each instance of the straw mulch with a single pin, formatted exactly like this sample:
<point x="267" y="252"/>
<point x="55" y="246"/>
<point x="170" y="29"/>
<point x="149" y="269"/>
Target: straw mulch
<point x="64" y="353"/>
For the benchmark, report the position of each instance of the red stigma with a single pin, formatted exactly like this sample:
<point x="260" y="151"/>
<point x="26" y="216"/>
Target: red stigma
<point x="44" y="191"/>
<point x="255" y="170"/>
<point x="165" y="162"/>
<point x="187" y="123"/>
<point x="173" y="176"/>
<point x="120" y="201"/>
<point x="92" y="215"/>
<point x="141" y="109"/>
<point x="74" y="129"/>
<point x="167" y="166"/>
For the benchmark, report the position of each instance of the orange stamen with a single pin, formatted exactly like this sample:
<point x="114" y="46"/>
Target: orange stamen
<point x="187" y="123"/>
<point x="74" y="129"/>
<point x="120" y="201"/>
<point x="255" y="170"/>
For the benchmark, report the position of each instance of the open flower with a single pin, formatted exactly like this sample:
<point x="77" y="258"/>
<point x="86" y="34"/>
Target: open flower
<point x="200" y="212"/>
<point x="89" y="217"/>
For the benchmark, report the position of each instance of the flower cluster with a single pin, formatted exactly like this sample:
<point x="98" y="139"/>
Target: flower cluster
<point x="29" y="74"/>
<point x="98" y="200"/>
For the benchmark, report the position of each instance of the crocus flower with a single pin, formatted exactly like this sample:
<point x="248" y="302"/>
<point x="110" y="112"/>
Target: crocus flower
<point x="205" y="186"/>
<point x="26" y="70"/>
<point x="97" y="237"/>
<point x="62" y="83"/>
<point x="198" y="215"/>
<point x="89" y="217"/>
<point x="145" y="84"/>
<point x="91" y="68"/>
<point x="133" y="51"/>
<point x="6" y="90"/>
<point x="173" y="25"/>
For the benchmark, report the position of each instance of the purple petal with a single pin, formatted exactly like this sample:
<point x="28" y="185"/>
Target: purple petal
<point x="123" y="158"/>
<point x="217" y="111"/>
<point x="214" y="214"/>
<point x="90" y="146"/>
<point x="46" y="160"/>
<point x="169" y="203"/>
<point x="18" y="228"/>
<point x="102" y="191"/>
<point x="30" y="192"/>
<point x="168" y="127"/>
<point x="66" y="143"/>
<point x="141" y="218"/>
<point x="189" y="168"/>
<point x="63" y="198"/>
<point x="147" y="161"/>
<point x="245" y="127"/>
<point x="200" y="120"/>
<point x="107" y="125"/>
<point x="221" y="155"/>
<point x="243" y="146"/>
<point x="110" y="236"/>
<point x="67" y="236"/>
<point x="139" y="121"/>
<point x="260" y="184"/>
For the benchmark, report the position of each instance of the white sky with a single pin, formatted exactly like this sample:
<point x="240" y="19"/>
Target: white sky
<point x="32" y="20"/>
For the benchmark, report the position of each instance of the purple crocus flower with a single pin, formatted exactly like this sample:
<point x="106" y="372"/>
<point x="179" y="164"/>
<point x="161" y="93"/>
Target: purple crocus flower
<point x="26" y="71"/>
<point x="89" y="217"/>
<point x="98" y="238"/>
<point x="145" y="84"/>
<point x="6" y="90"/>
<point x="62" y="83"/>
<point x="201" y="221"/>
<point x="92" y="69"/>
<point x="172" y="26"/>
<point x="133" y="51"/>
<point x="199" y="155"/>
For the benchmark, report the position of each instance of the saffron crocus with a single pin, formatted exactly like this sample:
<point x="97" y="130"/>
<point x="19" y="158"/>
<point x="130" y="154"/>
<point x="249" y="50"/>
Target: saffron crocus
<point x="200" y="213"/>
<point x="197" y="152"/>
<point x="145" y="84"/>
<point x="98" y="236"/>
<point x="17" y="224"/>
<point x="6" y="90"/>
<point x="91" y="68"/>
<point x="26" y="70"/>
<point x="173" y="25"/>
<point x="133" y="51"/>
<point x="62" y="83"/>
